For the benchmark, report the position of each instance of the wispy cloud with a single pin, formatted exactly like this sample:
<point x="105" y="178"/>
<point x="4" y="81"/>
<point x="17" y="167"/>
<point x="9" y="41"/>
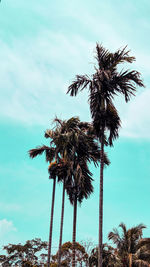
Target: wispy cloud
<point x="37" y="70"/>
<point x="34" y="80"/>
<point x="6" y="227"/>
<point x="136" y="122"/>
<point x="7" y="233"/>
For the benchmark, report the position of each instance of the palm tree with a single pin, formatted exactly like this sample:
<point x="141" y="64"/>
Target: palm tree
<point x="103" y="85"/>
<point x="132" y="250"/>
<point x="50" y="153"/>
<point x="109" y="257"/>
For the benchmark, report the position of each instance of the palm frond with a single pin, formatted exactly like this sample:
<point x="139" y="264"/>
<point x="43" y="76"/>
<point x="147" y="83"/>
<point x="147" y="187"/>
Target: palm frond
<point x="115" y="237"/>
<point x="79" y="83"/>
<point x="106" y="119"/>
<point x="37" y="151"/>
<point x="144" y="242"/>
<point x="121" y="56"/>
<point x="141" y="263"/>
<point x="126" y="82"/>
<point x="80" y="184"/>
<point x="107" y="60"/>
<point x="123" y="226"/>
<point x="49" y="134"/>
<point x="58" y="122"/>
<point x="50" y="154"/>
<point x="102" y="56"/>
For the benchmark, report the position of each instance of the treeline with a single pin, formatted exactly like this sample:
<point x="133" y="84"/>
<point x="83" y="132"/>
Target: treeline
<point x="128" y="249"/>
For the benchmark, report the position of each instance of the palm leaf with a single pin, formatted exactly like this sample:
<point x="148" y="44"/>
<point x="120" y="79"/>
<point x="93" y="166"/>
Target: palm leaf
<point x="38" y="151"/>
<point x="79" y="83"/>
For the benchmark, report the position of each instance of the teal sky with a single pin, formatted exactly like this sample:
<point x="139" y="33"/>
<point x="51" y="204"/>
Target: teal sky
<point x="43" y="45"/>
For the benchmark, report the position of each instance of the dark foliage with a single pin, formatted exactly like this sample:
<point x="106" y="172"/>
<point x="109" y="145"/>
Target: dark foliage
<point x="108" y="255"/>
<point x="24" y="255"/>
<point x="77" y="146"/>
<point x="49" y="152"/>
<point x="103" y="85"/>
<point x="130" y="246"/>
<point x="81" y="255"/>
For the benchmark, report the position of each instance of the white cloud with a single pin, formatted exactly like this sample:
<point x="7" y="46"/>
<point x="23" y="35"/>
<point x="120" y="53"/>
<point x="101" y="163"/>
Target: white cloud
<point x="136" y="119"/>
<point x="7" y="233"/>
<point x="6" y="227"/>
<point x="34" y="75"/>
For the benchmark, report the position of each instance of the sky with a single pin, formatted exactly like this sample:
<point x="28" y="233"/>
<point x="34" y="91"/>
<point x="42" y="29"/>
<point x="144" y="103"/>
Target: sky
<point x="43" y="45"/>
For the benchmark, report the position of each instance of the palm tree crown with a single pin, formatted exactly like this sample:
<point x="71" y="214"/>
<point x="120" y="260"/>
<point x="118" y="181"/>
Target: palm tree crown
<point x="71" y="136"/>
<point x="132" y="249"/>
<point x="103" y="85"/>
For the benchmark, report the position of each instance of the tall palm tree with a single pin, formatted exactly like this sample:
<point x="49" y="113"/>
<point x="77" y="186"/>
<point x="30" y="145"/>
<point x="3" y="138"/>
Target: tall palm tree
<point x="51" y="155"/>
<point x="132" y="249"/>
<point x="103" y="85"/>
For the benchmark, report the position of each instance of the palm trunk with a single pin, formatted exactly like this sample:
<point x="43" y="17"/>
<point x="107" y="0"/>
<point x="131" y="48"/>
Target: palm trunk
<point x="51" y="224"/>
<point x="74" y="231"/>
<point x="130" y="260"/>
<point x="100" y="246"/>
<point x="61" y="226"/>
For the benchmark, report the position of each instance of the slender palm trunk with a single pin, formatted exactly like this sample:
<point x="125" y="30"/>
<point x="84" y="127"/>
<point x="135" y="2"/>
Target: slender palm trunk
<point x="51" y="224"/>
<point x="130" y="260"/>
<point x="61" y="225"/>
<point x="100" y="246"/>
<point x="74" y="232"/>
